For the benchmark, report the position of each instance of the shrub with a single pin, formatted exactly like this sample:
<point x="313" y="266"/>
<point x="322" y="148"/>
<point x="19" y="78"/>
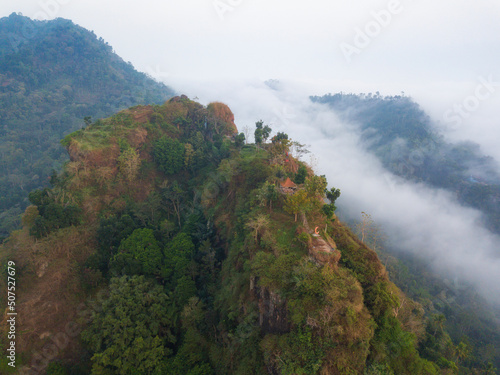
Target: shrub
<point x="52" y="215"/>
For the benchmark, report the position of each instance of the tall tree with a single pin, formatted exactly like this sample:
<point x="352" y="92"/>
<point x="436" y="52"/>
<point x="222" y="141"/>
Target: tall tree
<point x="258" y="225"/>
<point x="129" y="332"/>
<point x="174" y="195"/>
<point x="169" y="155"/>
<point x="297" y="203"/>
<point x="266" y="132"/>
<point x="139" y="253"/>
<point x="258" y="134"/>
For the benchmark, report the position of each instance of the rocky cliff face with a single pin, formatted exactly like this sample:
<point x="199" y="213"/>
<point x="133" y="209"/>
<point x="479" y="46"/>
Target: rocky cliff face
<point x="273" y="311"/>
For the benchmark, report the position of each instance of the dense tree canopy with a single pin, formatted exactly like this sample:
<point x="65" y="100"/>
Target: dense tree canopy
<point x="169" y="155"/>
<point x="129" y="332"/>
<point x="53" y="83"/>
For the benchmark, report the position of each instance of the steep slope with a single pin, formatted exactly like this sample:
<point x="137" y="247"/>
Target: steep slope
<point x="53" y="75"/>
<point x="168" y="246"/>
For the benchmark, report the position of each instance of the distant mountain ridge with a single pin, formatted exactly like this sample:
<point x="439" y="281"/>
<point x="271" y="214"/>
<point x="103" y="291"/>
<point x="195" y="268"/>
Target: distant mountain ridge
<point x="53" y="74"/>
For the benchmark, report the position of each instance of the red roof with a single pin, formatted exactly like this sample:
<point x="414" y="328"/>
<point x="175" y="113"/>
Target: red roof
<point x="288" y="183"/>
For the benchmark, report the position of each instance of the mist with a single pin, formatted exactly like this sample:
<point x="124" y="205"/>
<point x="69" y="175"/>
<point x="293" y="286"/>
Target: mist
<point x="426" y="222"/>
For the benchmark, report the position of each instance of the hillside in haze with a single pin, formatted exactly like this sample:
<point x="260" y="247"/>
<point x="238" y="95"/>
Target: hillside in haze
<point x="399" y="133"/>
<point x="169" y="246"/>
<point x="53" y="74"/>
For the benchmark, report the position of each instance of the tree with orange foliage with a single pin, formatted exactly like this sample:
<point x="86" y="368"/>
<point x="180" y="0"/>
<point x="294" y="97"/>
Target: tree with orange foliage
<point x="223" y="118"/>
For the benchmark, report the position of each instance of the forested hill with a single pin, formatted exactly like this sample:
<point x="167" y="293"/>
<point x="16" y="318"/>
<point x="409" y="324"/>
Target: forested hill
<point x="53" y="74"/>
<point x="401" y="135"/>
<point x="169" y="246"/>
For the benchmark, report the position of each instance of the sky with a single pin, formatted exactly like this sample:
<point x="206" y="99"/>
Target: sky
<point x="407" y="41"/>
<point x="445" y="54"/>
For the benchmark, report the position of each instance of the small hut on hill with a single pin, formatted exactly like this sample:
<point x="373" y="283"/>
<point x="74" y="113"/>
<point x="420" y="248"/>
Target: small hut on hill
<point x="288" y="187"/>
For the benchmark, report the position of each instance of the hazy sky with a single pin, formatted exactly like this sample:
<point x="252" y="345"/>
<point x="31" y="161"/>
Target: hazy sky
<point x="407" y="41"/>
<point x="435" y="51"/>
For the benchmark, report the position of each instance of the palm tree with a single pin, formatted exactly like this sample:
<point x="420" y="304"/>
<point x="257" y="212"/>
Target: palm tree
<point x="462" y="351"/>
<point x="439" y="323"/>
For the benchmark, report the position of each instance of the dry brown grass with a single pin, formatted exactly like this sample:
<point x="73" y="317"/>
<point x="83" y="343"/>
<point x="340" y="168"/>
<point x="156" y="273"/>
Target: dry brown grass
<point x="137" y="137"/>
<point x="48" y="290"/>
<point x="140" y="114"/>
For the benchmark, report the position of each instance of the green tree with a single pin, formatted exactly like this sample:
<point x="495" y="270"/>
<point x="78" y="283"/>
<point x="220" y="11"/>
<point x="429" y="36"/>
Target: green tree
<point x="239" y="140"/>
<point x="266" y="132"/>
<point x="268" y="194"/>
<point x="52" y="215"/>
<point x="297" y="203"/>
<point x="174" y="194"/>
<point x="258" y="134"/>
<point x="279" y="148"/>
<point x="138" y="254"/>
<point x="328" y="210"/>
<point x="130" y="330"/>
<point x="109" y="236"/>
<point x="192" y="357"/>
<point x="279" y="137"/>
<point x="332" y="195"/>
<point x="169" y="155"/>
<point x="179" y="254"/>
<point x="301" y="175"/>
<point x="462" y="351"/>
<point x="315" y="186"/>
